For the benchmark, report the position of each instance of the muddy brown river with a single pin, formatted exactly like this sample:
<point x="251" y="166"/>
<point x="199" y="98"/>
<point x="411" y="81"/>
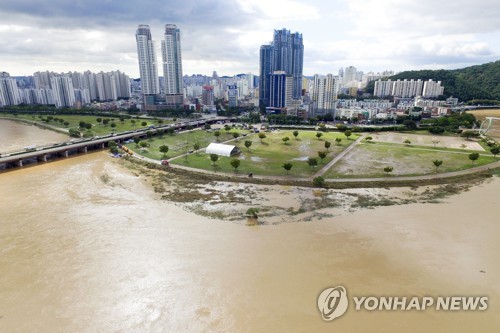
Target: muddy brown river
<point x="85" y="246"/>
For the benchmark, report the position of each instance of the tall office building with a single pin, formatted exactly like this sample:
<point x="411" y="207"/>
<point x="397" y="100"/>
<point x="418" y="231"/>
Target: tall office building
<point x="281" y="90"/>
<point x="285" y="54"/>
<point x="147" y="61"/>
<point x="265" y="72"/>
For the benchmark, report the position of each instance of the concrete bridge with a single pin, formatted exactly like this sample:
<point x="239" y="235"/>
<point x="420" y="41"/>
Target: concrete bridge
<point x="78" y="146"/>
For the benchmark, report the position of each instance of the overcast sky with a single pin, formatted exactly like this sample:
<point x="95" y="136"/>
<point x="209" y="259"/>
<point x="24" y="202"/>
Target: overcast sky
<point x="225" y="35"/>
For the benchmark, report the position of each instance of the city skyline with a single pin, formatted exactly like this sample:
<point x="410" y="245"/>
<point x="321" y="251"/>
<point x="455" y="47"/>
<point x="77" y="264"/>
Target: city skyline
<point x="226" y="37"/>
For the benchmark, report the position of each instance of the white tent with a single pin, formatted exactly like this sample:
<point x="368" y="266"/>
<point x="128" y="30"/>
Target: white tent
<point x="222" y="149"/>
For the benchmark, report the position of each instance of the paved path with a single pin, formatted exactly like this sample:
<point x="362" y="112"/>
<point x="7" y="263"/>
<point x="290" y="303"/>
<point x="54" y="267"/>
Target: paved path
<point x="338" y="157"/>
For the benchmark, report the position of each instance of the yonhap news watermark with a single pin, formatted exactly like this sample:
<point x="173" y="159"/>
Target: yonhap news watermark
<point x="333" y="303"/>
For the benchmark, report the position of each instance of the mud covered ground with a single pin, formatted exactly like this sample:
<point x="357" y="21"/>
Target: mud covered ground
<point x="285" y="203"/>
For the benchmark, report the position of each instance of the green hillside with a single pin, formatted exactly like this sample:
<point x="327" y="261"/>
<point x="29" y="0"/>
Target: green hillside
<point x="475" y="82"/>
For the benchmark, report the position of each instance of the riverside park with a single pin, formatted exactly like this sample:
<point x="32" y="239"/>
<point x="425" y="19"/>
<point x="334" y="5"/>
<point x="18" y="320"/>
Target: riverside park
<point x="309" y="154"/>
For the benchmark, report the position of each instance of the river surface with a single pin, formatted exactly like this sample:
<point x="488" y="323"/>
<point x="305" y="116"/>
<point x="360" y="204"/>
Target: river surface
<point x="14" y="136"/>
<point x="85" y="246"/>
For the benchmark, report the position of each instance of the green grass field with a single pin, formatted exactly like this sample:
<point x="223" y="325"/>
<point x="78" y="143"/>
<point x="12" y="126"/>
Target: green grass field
<point x="267" y="158"/>
<point x="179" y="144"/>
<point x="369" y="160"/>
<point x="97" y="129"/>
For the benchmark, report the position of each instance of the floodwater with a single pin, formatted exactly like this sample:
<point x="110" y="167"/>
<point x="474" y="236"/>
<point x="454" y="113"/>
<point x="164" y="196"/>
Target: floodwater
<point x="86" y="247"/>
<point x="14" y="136"/>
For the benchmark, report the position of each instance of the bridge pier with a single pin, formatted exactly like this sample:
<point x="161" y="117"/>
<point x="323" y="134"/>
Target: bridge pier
<point x="103" y="146"/>
<point x="20" y="163"/>
<point x="65" y="153"/>
<point x="42" y="158"/>
<point x="85" y="149"/>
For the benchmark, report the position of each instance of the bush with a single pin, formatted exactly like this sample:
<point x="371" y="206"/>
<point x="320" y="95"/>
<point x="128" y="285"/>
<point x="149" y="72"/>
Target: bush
<point x="319" y="181"/>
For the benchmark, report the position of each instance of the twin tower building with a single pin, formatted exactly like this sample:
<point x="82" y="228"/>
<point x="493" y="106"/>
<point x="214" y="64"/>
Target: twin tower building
<point x="281" y="67"/>
<point x="172" y="68"/>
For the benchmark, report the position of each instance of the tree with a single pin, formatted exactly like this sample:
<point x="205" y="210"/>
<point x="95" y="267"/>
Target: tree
<point x="113" y="125"/>
<point x="88" y="126"/>
<point x="495" y="150"/>
<point x="74" y="133"/>
<point x="435" y="142"/>
<point x="122" y="119"/>
<point x="368" y="139"/>
<point x="285" y="139"/>
<point x="235" y="163"/>
<point x="327" y="145"/>
<point x="149" y="134"/>
<point x="112" y="143"/>
<point x="469" y="134"/>
<point x="312" y="162"/>
<point x="66" y="124"/>
<point x="217" y="134"/>
<point x="388" y="169"/>
<point x="143" y="144"/>
<point x="214" y="158"/>
<point x="437" y="163"/>
<point x="137" y="140"/>
<point x="164" y="149"/>
<point x="236" y="135"/>
<point x="322" y="155"/>
<point x="319" y="181"/>
<point x="227" y="128"/>
<point x="144" y="123"/>
<point x="171" y="131"/>
<point x="114" y="150"/>
<point x="262" y="136"/>
<point x="207" y="126"/>
<point x="196" y="146"/>
<point x="319" y="135"/>
<point x="81" y="124"/>
<point x="133" y="122"/>
<point x="337" y="140"/>
<point x="287" y="166"/>
<point x="99" y="120"/>
<point x="348" y="133"/>
<point x="105" y="122"/>
<point x="473" y="157"/>
<point x="295" y="134"/>
<point x="410" y="124"/>
<point x="407" y="141"/>
<point x="248" y="144"/>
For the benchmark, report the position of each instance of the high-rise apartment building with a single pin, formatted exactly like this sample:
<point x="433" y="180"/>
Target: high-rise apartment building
<point x="172" y="59"/>
<point x="147" y="61"/>
<point x="63" y="91"/>
<point x="325" y="93"/>
<point x="285" y="54"/>
<point x="9" y="92"/>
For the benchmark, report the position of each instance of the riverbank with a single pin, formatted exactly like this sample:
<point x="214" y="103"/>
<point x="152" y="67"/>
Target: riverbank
<point x="229" y="198"/>
<point x="37" y="123"/>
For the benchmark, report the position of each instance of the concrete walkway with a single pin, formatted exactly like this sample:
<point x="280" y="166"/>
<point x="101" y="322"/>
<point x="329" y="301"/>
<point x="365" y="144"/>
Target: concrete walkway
<point x="338" y="157"/>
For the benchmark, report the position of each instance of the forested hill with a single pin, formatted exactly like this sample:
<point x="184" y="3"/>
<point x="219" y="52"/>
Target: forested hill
<point x="475" y="82"/>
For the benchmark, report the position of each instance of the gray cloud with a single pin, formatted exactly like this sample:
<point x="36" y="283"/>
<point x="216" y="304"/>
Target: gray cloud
<point x="65" y="35"/>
